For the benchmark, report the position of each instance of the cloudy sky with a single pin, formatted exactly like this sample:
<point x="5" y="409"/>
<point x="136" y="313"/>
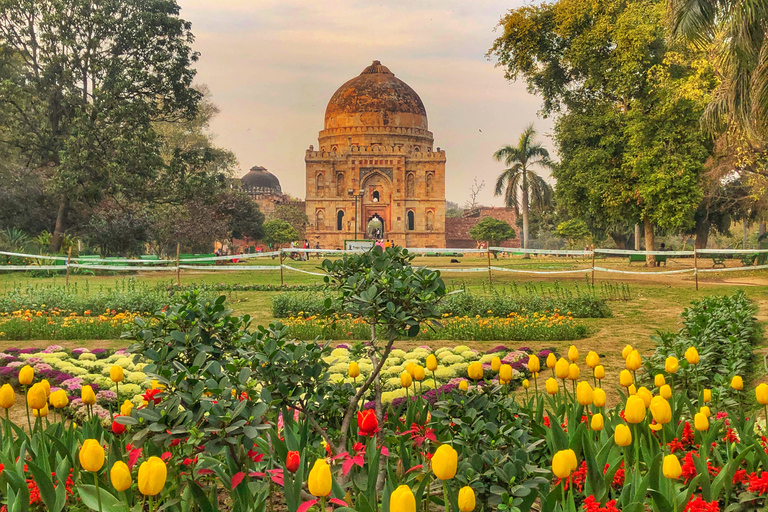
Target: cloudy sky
<point x="272" y="66"/>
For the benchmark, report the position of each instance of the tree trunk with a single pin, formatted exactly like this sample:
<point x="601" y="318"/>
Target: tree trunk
<point x="619" y="239"/>
<point x="637" y="236"/>
<point x="525" y="214"/>
<point x="702" y="234"/>
<point x="58" y="231"/>
<point x="745" y="227"/>
<point x="650" y="259"/>
<point x="761" y="229"/>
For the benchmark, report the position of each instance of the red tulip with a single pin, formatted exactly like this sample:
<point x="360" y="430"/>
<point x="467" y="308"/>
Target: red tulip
<point x="292" y="461"/>
<point x="117" y="428"/>
<point x="367" y="422"/>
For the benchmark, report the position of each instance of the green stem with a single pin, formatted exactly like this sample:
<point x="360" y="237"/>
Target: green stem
<point x="98" y="492"/>
<point x="445" y="496"/>
<point x="322" y="504"/>
<point x="10" y="430"/>
<point x="536" y="392"/>
<point x="26" y="404"/>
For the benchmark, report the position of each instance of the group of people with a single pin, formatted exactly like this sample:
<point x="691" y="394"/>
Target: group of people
<point x="303" y="256"/>
<point x="385" y="244"/>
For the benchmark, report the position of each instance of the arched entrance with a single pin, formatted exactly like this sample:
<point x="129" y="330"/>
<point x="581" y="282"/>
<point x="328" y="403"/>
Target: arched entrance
<point x="375" y="227"/>
<point x="375" y="210"/>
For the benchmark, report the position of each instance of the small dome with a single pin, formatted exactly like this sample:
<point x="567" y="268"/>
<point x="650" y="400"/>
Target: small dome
<point x="374" y="98"/>
<point x="260" y="180"/>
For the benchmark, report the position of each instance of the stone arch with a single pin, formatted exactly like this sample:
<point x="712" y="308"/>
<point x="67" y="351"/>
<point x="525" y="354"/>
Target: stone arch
<point x="340" y="184"/>
<point x="430" y="184"/>
<point x="410" y="220"/>
<point x="430" y="220"/>
<point x="320" y="220"/>
<point x="320" y="184"/>
<point x="410" y="185"/>
<point x="340" y="220"/>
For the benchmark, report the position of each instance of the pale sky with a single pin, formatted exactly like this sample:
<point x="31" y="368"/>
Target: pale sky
<point x="272" y="66"/>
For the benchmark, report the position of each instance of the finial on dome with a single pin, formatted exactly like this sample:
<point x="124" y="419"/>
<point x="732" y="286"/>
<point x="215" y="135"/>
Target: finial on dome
<point x="375" y="68"/>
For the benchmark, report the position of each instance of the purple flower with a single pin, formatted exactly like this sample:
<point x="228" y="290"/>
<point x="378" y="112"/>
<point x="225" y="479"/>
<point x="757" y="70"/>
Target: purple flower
<point x="29" y="351"/>
<point x="498" y="348"/>
<point x="53" y="348"/>
<point x="107" y="395"/>
<point x="16" y="364"/>
<point x="342" y="345"/>
<point x="41" y="367"/>
<point x="544" y="353"/>
<point x="73" y="384"/>
<point x="78" y="351"/>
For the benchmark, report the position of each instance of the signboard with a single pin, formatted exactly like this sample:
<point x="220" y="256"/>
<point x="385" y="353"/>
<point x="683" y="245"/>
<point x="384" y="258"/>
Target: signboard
<point x="358" y="245"/>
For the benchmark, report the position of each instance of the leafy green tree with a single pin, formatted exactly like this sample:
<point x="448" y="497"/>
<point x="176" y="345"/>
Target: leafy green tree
<point x="116" y="230"/>
<point x="519" y="176"/>
<point x="278" y="232"/>
<point x="245" y="217"/>
<point x="575" y="230"/>
<point x="492" y="231"/>
<point x="294" y="216"/>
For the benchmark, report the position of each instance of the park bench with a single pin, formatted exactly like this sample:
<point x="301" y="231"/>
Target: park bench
<point x="149" y="257"/>
<point x="718" y="260"/>
<point x="748" y="260"/>
<point x="641" y="258"/>
<point x="194" y="256"/>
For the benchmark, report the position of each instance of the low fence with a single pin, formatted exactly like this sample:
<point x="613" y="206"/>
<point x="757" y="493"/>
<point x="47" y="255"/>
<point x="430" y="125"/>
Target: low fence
<point x="239" y="262"/>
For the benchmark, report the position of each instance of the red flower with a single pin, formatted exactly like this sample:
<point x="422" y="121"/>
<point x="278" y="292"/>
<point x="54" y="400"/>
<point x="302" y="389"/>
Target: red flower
<point x="546" y="422"/>
<point x="757" y="484"/>
<point x="150" y="396"/>
<point x="740" y="476"/>
<point x="579" y="477"/>
<point x="189" y="461"/>
<point x="730" y="436"/>
<point x="687" y="434"/>
<point x="675" y="446"/>
<point x="689" y="468"/>
<point x="292" y="461"/>
<point x="118" y="428"/>
<point x="367" y="422"/>
<point x="696" y="504"/>
<point x="618" y="477"/>
<point x="590" y="505"/>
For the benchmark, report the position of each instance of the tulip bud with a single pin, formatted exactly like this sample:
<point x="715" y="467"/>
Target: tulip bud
<point x="671" y="365"/>
<point x="466" y="499"/>
<point x="534" y="366"/>
<point x="552" y="386"/>
<point x="598" y="400"/>
<point x="36" y="397"/>
<point x="599" y="372"/>
<point x="7" y="396"/>
<point x="561" y="464"/>
<point x="707" y="395"/>
<point x="118" y="428"/>
<point x="592" y="359"/>
<point x="125" y="409"/>
<point x="116" y="373"/>
<point x="40" y="413"/>
<point x="573" y="353"/>
<point x="584" y="393"/>
<point x="561" y="368"/>
<point x="701" y="422"/>
<point x="463" y="385"/>
<point x="634" y="362"/>
<point x="761" y="392"/>
<point x="632" y="390"/>
<point x="495" y="364"/>
<point x="597" y="422"/>
<point x="120" y="475"/>
<point x="737" y="383"/>
<point x="526" y="384"/>
<point x="367" y="422"/>
<point x="551" y="360"/>
<point x="410" y="368"/>
<point x="626" y="351"/>
<point x="573" y="372"/>
<point x="91" y="455"/>
<point x="431" y="362"/>
<point x="634" y="410"/>
<point x="622" y="435"/>
<point x="354" y="370"/>
<point x="475" y="370"/>
<point x="705" y="411"/>
<point x="444" y="462"/>
<point x="625" y="378"/>
<point x="660" y="410"/>
<point x="406" y="380"/>
<point x="26" y="375"/>
<point x="402" y="499"/>
<point x="292" y="461"/>
<point x="87" y="395"/>
<point x="505" y="372"/>
<point x="645" y="395"/>
<point x="671" y="467"/>
<point x="659" y="380"/>
<point x="59" y="399"/>
<point x="47" y="386"/>
<point x="666" y="391"/>
<point x="692" y="355"/>
<point x="152" y="475"/>
<point x="418" y="373"/>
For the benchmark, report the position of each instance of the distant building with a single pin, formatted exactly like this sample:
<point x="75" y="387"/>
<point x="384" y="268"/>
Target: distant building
<point x="264" y="188"/>
<point x="457" y="228"/>
<point x="375" y="172"/>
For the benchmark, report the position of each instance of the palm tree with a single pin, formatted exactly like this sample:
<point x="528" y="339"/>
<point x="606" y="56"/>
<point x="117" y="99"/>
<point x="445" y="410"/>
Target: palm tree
<point x="519" y="180"/>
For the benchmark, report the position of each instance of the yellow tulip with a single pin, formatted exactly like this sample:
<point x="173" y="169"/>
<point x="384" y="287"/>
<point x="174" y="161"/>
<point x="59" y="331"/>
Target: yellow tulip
<point x="660" y="410"/>
<point x="466" y="499"/>
<point x="551" y="360"/>
<point x="659" y="380"/>
<point x="26" y="375"/>
<point x="410" y="367"/>
<point x="120" y="475"/>
<point x="701" y="422"/>
<point x="671" y="365"/>
<point x="406" y="380"/>
<point x="403" y="499"/>
<point x="475" y="370"/>
<point x="737" y="383"/>
<point x="354" y="370"/>
<point x="153" y="473"/>
<point x="599" y="372"/>
<point x="495" y="363"/>
<point x="598" y="400"/>
<point x="584" y="393"/>
<point x="573" y="353"/>
<point x="116" y="373"/>
<point x="627" y="350"/>
<point x="625" y="378"/>
<point x="418" y="373"/>
<point x="36" y="397"/>
<point x="592" y="359"/>
<point x="7" y="396"/>
<point x="505" y="372"/>
<point x="707" y="394"/>
<point x="463" y="385"/>
<point x="634" y="410"/>
<point x="573" y="372"/>
<point x="561" y="368"/>
<point x="597" y="422"/>
<point x="526" y="384"/>
<point x="431" y="362"/>
<point x="91" y="455"/>
<point x="87" y="395"/>
<point x="125" y="409"/>
<point x="692" y="355"/>
<point x="444" y="462"/>
<point x="46" y="386"/>
<point x="632" y="390"/>
<point x="671" y="467"/>
<point x="534" y="366"/>
<point x="761" y="391"/>
<point x="156" y="385"/>
<point x="634" y="362"/>
<point x="666" y="391"/>
<point x="40" y="413"/>
<point x="622" y="435"/>
<point x="552" y="386"/>
<point x="646" y="395"/>
<point x="59" y="399"/>
<point x="563" y="463"/>
<point x="570" y="456"/>
<point x="705" y="411"/>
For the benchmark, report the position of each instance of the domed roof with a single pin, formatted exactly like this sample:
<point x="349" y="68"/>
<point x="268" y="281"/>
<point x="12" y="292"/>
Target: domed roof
<point x="375" y="97"/>
<point x="261" y="180"/>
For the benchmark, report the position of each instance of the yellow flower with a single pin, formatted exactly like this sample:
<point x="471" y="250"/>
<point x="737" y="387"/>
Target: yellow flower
<point x="26" y="375"/>
<point x="552" y="386"/>
<point x="632" y="390"/>
<point x="505" y="372"/>
<point x="444" y="462"/>
<point x="534" y="366"/>
<point x="634" y="410"/>
<point x="707" y="395"/>
<point x="47" y="386"/>
<point x="526" y="384"/>
<point x="354" y="370"/>
<point x="431" y="362"/>
<point x="671" y="365"/>
<point x="418" y="373"/>
<point x="120" y="475"/>
<point x="403" y="499"/>
<point x="634" y="362"/>
<point x="463" y="385"/>
<point x="116" y="373"/>
<point x="561" y="368"/>
<point x="593" y="359"/>
<point x="466" y="500"/>
<point x="573" y="353"/>
<point x="551" y="360"/>
<point x="87" y="395"/>
<point x="584" y="393"/>
<point x="91" y="455"/>
<point x="40" y="413"/>
<point x="761" y="392"/>
<point x="599" y="372"/>
<point x="736" y="383"/>
<point x="598" y="400"/>
<point x="622" y="435"/>
<point x="701" y="422"/>
<point x="59" y="399"/>
<point x="660" y="410"/>
<point x="692" y="355"/>
<point x="573" y="372"/>
<point x="625" y="378"/>
<point x="705" y="411"/>
<point x="36" y="397"/>
<point x="495" y="363"/>
<point x="562" y="463"/>
<point x="645" y="395"/>
<point x="406" y="380"/>
<point x="152" y="475"/>
<point x="7" y="396"/>
<point x="659" y="380"/>
<point x="597" y="422"/>
<point x="125" y="409"/>
<point x="671" y="467"/>
<point x="627" y="350"/>
<point x="475" y="370"/>
<point x="666" y="391"/>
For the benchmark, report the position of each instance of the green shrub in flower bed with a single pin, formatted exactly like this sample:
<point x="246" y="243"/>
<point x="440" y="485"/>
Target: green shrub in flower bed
<point x="243" y="287"/>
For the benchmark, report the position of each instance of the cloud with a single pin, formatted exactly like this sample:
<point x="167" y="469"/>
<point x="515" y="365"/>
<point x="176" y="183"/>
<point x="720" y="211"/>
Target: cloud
<point x="272" y="66"/>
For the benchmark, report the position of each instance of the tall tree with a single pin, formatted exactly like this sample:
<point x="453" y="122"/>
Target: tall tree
<point x="520" y="178"/>
<point x="83" y="83"/>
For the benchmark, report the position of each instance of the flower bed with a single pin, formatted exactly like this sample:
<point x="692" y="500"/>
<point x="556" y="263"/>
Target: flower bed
<point x="54" y="324"/>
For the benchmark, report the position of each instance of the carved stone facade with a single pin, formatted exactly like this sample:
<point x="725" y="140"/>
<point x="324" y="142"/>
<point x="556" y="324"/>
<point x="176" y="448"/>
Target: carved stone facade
<point x="375" y="173"/>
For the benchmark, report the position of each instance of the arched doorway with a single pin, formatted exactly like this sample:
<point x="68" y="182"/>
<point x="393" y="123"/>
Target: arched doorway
<point x="375" y="227"/>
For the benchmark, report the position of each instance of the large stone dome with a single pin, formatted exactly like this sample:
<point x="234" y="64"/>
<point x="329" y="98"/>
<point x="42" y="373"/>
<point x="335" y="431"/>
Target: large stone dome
<point x="375" y="98"/>
<point x="260" y="180"/>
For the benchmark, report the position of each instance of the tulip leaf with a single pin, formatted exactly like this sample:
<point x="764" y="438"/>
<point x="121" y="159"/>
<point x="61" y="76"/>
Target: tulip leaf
<point x="45" y="485"/>
<point x="108" y="502"/>
<point x="662" y="503"/>
<point x="702" y="471"/>
<point x="595" y="483"/>
<point x="687" y="491"/>
<point x="554" y="497"/>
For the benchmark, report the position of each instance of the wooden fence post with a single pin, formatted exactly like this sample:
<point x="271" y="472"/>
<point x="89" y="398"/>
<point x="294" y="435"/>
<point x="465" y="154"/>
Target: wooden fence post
<point x="593" y="265"/>
<point x="178" y="268"/>
<point x="490" y="279"/>
<point x="696" y="267"/>
<point x="281" y="265"/>
<point x="69" y="257"/>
